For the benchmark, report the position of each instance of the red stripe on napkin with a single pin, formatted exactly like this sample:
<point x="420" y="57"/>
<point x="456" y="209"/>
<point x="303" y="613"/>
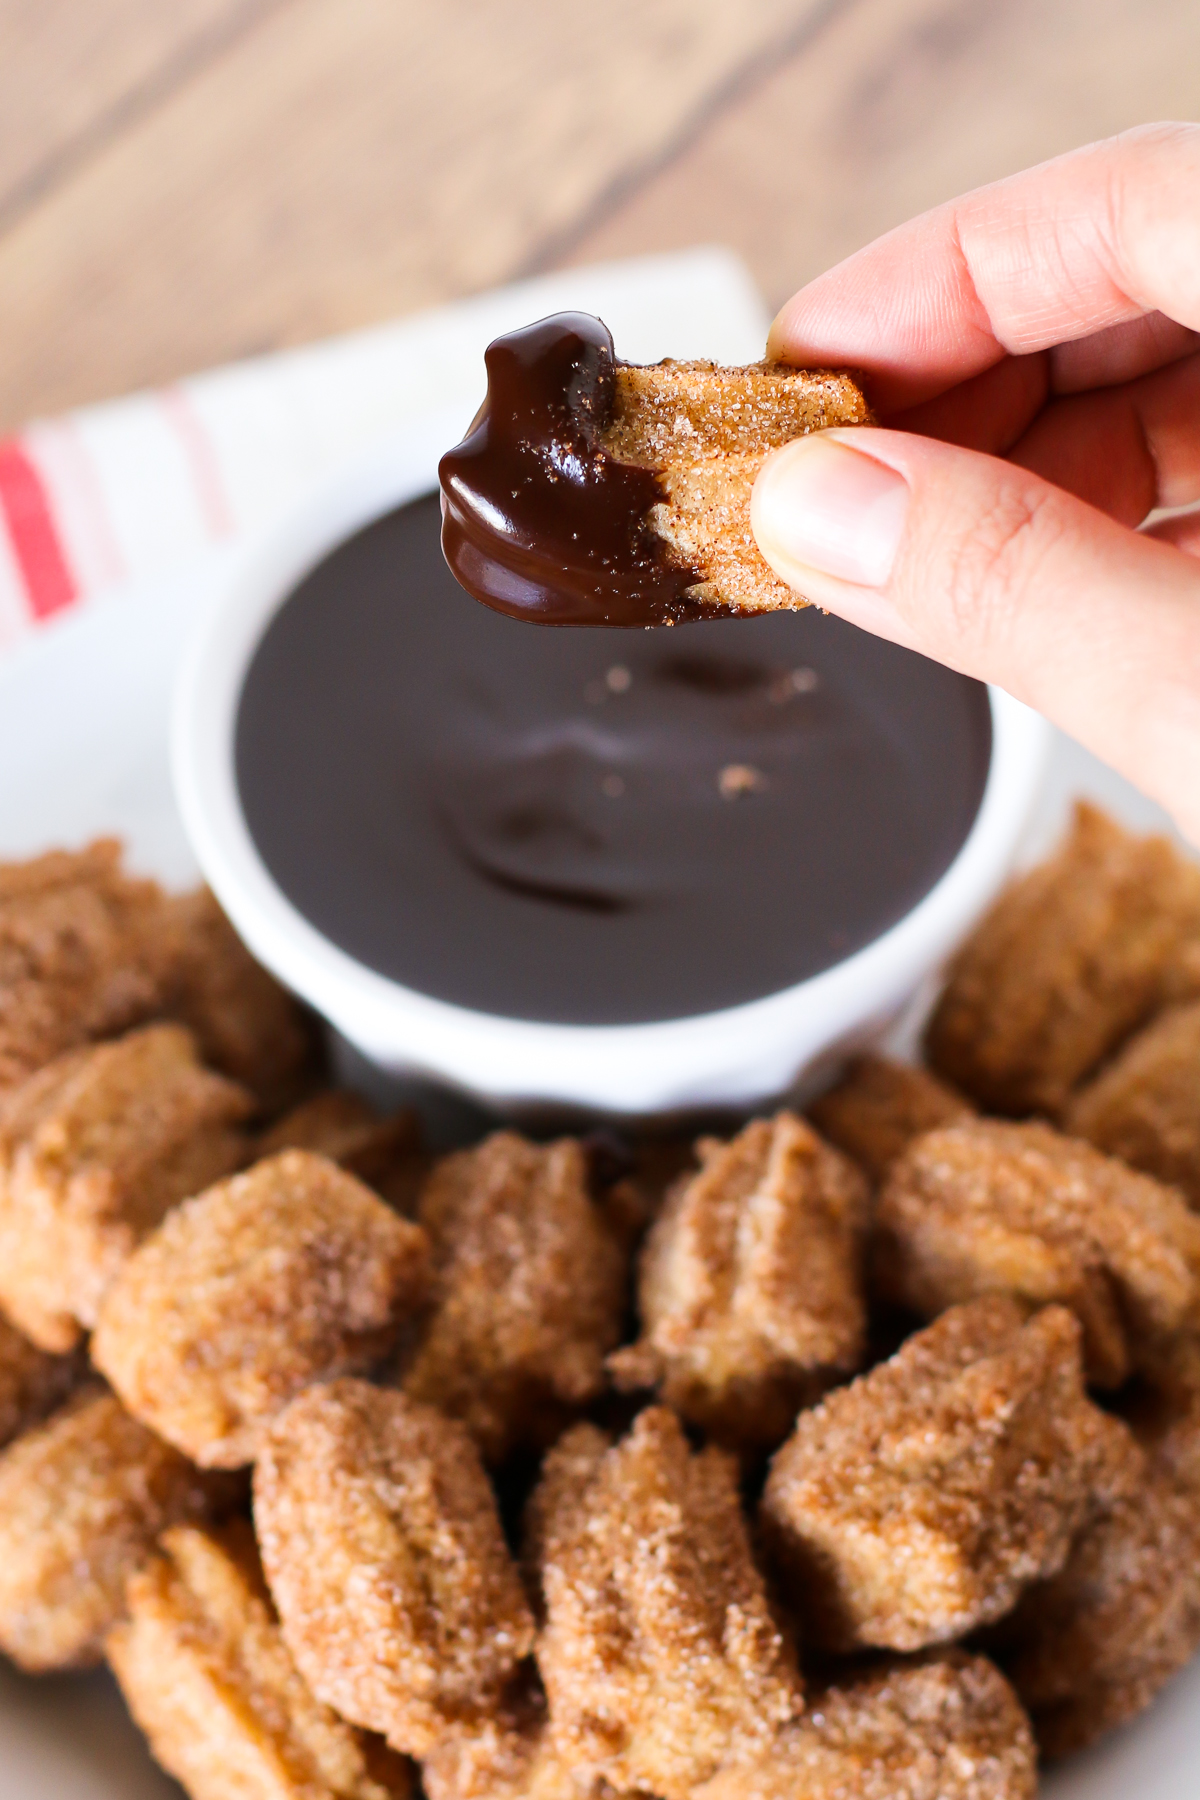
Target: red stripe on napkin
<point x="202" y="460"/>
<point x="25" y="504"/>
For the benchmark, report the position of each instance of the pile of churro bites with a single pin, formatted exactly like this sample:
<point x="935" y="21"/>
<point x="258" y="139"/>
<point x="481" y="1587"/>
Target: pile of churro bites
<point x="853" y="1456"/>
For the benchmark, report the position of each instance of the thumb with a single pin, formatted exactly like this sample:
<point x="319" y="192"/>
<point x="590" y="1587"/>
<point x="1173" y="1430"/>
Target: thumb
<point x="988" y="568"/>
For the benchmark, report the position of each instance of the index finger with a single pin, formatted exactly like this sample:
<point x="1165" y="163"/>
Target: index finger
<point x="1093" y="240"/>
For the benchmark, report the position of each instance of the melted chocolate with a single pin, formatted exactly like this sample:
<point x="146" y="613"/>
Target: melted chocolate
<point x="592" y="828"/>
<point x="538" y="520"/>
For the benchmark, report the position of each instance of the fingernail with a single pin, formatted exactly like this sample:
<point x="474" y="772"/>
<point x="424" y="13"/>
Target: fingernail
<point x="819" y="504"/>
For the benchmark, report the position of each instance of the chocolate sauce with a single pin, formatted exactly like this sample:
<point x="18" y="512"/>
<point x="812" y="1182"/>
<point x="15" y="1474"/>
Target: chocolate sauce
<point x="538" y="519"/>
<point x="592" y="827"/>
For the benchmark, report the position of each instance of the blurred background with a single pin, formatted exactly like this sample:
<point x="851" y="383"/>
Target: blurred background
<point x="186" y="181"/>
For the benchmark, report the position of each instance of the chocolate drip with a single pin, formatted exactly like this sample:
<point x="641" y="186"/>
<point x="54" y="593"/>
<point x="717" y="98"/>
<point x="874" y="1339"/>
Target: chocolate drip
<point x="538" y="520"/>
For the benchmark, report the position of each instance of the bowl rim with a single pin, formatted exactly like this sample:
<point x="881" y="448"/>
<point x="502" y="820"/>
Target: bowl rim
<point x="605" y="1067"/>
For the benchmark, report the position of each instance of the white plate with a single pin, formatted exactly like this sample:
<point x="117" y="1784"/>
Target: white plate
<point x="83" y="750"/>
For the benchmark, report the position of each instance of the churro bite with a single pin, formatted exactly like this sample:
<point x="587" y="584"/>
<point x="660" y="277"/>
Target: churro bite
<point x="205" y="1672"/>
<point x="247" y="1025"/>
<point x="940" y="1728"/>
<point x="1092" y="1646"/>
<point x="94" y="1149"/>
<point x="705" y="432"/>
<point x="1070" y="960"/>
<point x="530" y="1283"/>
<point x="879" y="1106"/>
<point x="509" y="1755"/>
<point x="590" y="491"/>
<point x="915" y="1505"/>
<point x="82" y="1499"/>
<point x="1144" y="1106"/>
<point x="750" y="1289"/>
<point x="991" y="1207"/>
<point x="660" y="1655"/>
<point x="81" y="954"/>
<point x="33" y="1382"/>
<point x="382" y="1545"/>
<point x="385" y="1152"/>
<point x="291" y="1273"/>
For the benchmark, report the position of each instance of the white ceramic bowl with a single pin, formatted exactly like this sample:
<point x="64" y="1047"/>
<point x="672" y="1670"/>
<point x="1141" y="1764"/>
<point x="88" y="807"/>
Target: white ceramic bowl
<point x="738" y="1058"/>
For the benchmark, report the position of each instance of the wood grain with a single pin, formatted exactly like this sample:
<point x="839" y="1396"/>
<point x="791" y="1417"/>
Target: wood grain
<point x="897" y="105"/>
<point x="71" y="74"/>
<point x="347" y="159"/>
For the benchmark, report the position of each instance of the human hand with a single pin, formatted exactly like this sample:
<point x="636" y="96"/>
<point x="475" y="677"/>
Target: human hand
<point x="1033" y="351"/>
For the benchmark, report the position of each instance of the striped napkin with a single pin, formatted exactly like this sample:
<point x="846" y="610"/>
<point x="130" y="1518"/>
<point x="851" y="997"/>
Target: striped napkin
<point x="135" y="488"/>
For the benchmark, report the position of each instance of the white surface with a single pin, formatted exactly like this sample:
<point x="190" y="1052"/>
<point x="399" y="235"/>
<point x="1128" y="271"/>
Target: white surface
<point x="84" y="749"/>
<point x="741" y="1057"/>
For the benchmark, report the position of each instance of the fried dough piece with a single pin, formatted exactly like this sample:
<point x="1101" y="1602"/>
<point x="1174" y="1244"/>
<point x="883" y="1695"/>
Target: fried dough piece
<point x="706" y="432"/>
<point x="988" y="1207"/>
<point x="382" y="1151"/>
<point x="291" y="1273"/>
<point x="382" y="1545"/>
<point x="94" y="1149"/>
<point x="879" y="1106"/>
<point x="751" y="1284"/>
<point x="915" y="1504"/>
<point x="1092" y="1646"/>
<point x="531" y="1282"/>
<point x="32" y="1382"/>
<point x="660" y="1655"/>
<point x="507" y="1756"/>
<point x="940" y="1728"/>
<point x="82" y="1499"/>
<point x="1144" y="1106"/>
<point x="247" y="1025"/>
<point x="1070" y="960"/>
<point x="81" y="954"/>
<point x="206" y="1674"/>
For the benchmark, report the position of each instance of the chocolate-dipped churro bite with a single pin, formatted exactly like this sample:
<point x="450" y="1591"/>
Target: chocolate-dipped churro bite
<point x="594" y="492"/>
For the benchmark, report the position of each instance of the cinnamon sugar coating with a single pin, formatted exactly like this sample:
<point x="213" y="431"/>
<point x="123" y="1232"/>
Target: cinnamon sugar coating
<point x="381" y="1542"/>
<point x="750" y="1288"/>
<point x="660" y="1655"/>
<point x="206" y="1674"/>
<point x="33" y="1382"/>
<point x="707" y="431"/>
<point x="81" y="954"/>
<point x="82" y="1499"/>
<point x="1144" y="1106"/>
<point x="94" y="1149"/>
<point x="531" y="1277"/>
<point x="291" y="1273"/>
<point x="879" y="1106"/>
<point x="1091" y="1647"/>
<point x="247" y="1025"/>
<point x="382" y="1151"/>
<point x="1070" y="960"/>
<point x="941" y="1728"/>
<point x="508" y="1756"/>
<point x="989" y="1207"/>
<point x="914" y="1505"/>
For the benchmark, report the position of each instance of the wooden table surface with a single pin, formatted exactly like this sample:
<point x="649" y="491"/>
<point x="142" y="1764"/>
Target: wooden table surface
<point x="185" y="181"/>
